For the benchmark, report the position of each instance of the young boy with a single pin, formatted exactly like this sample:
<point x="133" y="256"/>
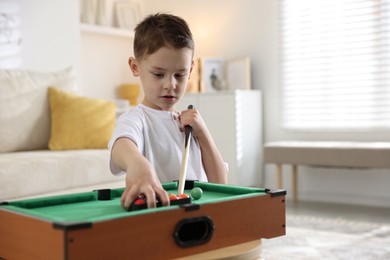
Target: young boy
<point x="148" y="140"/>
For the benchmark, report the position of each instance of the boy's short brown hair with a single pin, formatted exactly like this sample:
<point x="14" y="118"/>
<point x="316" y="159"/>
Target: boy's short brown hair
<point x="160" y="30"/>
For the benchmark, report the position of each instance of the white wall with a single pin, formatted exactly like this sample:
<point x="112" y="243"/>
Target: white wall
<point x="105" y="60"/>
<point x="52" y="40"/>
<point x="234" y="28"/>
<point x="104" y="64"/>
<point x="50" y="32"/>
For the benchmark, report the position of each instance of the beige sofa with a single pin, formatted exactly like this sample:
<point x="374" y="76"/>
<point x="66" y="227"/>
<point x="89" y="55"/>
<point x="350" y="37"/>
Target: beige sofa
<point x="28" y="167"/>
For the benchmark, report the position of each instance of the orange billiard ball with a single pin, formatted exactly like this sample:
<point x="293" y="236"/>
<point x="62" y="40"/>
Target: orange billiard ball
<point x="184" y="196"/>
<point x="173" y="197"/>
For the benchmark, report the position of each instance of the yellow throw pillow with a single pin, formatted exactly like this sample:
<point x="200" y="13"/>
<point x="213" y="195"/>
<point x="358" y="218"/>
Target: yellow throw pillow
<point x="79" y="122"/>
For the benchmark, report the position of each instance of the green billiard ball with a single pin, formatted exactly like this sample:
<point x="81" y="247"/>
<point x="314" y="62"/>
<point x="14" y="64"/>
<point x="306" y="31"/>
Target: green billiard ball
<point x="196" y="193"/>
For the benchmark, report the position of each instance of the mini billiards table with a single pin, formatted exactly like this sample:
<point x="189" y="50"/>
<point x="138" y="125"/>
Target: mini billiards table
<point x="89" y="226"/>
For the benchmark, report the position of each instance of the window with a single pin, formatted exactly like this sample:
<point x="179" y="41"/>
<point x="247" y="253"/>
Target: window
<point x="335" y="64"/>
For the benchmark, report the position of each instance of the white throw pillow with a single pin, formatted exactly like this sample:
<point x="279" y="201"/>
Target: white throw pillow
<point x="24" y="107"/>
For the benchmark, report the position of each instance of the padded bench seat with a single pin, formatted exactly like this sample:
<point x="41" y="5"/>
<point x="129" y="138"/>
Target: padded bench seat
<point x="325" y="154"/>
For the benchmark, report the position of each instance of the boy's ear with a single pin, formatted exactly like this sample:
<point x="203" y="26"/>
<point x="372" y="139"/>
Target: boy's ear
<point x="192" y="67"/>
<point x="134" y="66"/>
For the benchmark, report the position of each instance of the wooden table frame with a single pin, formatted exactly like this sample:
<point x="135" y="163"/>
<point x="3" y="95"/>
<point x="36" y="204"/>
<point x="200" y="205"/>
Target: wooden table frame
<point x="237" y="221"/>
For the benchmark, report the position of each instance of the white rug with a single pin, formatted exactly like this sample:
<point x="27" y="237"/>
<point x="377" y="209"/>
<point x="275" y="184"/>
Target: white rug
<point x="320" y="238"/>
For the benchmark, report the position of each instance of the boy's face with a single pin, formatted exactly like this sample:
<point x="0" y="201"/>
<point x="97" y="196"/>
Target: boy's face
<point x="164" y="75"/>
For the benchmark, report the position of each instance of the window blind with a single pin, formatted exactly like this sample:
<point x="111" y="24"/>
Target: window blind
<point x="335" y="65"/>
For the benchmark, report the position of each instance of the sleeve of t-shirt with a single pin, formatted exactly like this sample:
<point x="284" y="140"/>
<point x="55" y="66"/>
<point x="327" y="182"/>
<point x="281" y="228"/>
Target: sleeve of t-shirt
<point x="128" y="125"/>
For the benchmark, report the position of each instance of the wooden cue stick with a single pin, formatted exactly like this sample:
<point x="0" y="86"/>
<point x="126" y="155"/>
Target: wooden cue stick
<point x="184" y="158"/>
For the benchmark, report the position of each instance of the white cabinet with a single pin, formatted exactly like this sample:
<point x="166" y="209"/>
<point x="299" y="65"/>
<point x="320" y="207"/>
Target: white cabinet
<point x="234" y="119"/>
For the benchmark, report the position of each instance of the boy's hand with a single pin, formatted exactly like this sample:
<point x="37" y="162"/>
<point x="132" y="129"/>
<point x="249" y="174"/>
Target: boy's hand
<point x="145" y="184"/>
<point x="140" y="175"/>
<point x="212" y="160"/>
<point x="193" y="118"/>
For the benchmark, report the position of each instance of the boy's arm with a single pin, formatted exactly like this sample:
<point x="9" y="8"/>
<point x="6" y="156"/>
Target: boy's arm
<point x="140" y="175"/>
<point x="212" y="160"/>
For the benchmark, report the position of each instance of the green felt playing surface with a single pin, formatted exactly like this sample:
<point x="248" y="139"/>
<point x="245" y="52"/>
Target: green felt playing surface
<point x="86" y="207"/>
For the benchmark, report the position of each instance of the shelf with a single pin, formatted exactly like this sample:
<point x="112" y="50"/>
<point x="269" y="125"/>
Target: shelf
<point x="106" y="30"/>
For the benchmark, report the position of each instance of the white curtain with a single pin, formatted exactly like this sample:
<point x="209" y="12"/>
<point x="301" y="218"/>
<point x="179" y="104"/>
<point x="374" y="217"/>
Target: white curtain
<point x="10" y="37"/>
<point x="335" y="64"/>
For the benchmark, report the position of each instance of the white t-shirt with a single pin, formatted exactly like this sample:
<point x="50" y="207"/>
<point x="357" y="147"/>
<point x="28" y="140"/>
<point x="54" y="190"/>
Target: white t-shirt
<point x="158" y="137"/>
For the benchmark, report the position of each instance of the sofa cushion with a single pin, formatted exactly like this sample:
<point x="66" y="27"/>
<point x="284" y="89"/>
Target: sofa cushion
<point x="79" y="122"/>
<point x="24" y="107"/>
<point x="31" y="173"/>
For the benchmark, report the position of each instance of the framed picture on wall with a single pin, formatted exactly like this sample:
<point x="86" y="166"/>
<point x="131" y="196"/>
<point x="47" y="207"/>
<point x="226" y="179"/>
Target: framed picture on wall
<point x="127" y="14"/>
<point x="211" y="74"/>
<point x="238" y="73"/>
